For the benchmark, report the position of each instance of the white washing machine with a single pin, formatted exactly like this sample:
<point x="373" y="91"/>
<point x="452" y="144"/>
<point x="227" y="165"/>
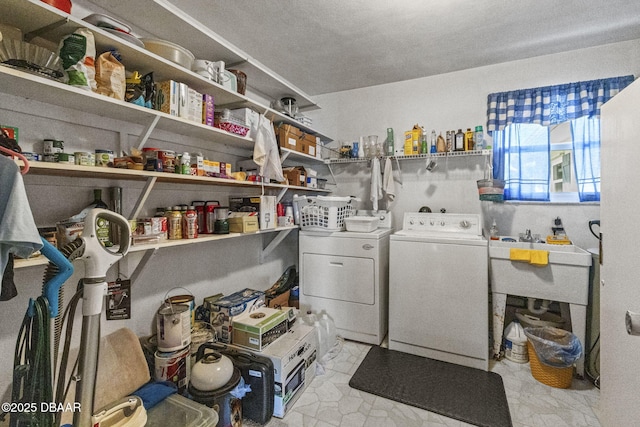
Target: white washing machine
<point x="346" y="275"/>
<point x="439" y="288"/>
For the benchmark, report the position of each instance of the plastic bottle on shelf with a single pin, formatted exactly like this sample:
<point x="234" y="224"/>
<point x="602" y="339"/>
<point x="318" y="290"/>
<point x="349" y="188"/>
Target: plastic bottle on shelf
<point x="434" y="138"/>
<point x="458" y="141"/>
<point x="390" y="147"/>
<point x="493" y="231"/>
<point x="478" y="138"/>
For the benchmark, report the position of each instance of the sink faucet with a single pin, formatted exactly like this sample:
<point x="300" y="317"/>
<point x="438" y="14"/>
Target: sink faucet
<point x="527" y="237"/>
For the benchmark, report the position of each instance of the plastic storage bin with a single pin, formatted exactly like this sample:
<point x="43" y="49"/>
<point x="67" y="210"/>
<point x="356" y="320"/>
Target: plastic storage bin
<point x="177" y="410"/>
<point x="364" y="224"/>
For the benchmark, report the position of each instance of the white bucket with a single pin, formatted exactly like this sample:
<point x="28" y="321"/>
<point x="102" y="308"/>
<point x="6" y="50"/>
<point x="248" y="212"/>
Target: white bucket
<point x="515" y="343"/>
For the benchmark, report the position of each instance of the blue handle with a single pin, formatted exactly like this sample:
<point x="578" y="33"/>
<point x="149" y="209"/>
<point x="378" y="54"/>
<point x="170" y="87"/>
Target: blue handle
<point x="65" y="270"/>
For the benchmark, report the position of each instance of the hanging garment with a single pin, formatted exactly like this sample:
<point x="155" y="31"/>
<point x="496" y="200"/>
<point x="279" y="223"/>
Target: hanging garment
<point x="376" y="182"/>
<point x="265" y="151"/>
<point x="18" y="231"/>
<point x="388" y="184"/>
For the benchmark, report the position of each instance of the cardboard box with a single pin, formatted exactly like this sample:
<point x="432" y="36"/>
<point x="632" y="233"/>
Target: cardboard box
<point x="195" y="105"/>
<point x="257" y="329"/>
<point x="264" y="205"/>
<point x="295" y="176"/>
<point x="291" y="137"/>
<point x="246" y="115"/>
<point x="308" y="147"/>
<point x="281" y="300"/>
<point x="183" y="101"/>
<point x="168" y="95"/>
<point x="225" y="309"/>
<point x="208" y="108"/>
<point x="243" y="223"/>
<point x="294" y="363"/>
<point x="312" y="182"/>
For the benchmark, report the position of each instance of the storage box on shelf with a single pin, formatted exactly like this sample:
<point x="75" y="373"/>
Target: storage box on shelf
<point x="293" y="138"/>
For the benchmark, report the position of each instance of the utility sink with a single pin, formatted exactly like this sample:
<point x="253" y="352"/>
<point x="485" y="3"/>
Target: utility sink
<point x="564" y="279"/>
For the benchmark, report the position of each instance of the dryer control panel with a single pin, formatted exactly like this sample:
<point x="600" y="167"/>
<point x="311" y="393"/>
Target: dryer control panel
<point x="466" y="225"/>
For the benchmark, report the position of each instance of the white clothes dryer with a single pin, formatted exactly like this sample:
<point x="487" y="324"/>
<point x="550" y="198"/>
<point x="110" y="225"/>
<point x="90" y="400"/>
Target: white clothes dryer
<point x="345" y="274"/>
<point x="439" y="288"/>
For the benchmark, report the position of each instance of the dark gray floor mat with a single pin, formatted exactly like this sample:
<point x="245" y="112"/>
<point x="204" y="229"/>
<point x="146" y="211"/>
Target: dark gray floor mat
<point x="466" y="394"/>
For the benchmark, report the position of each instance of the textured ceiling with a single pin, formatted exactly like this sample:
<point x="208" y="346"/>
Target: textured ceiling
<point x="326" y="46"/>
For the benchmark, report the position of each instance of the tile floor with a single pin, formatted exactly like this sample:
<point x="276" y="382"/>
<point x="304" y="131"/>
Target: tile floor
<point x="329" y="401"/>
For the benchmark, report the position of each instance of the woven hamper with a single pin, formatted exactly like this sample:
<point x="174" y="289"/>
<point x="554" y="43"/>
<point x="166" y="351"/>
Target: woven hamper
<point x="549" y="375"/>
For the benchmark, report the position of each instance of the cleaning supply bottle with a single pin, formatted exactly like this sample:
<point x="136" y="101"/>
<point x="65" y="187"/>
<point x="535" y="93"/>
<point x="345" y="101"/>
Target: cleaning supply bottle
<point x="478" y="138"/>
<point x="390" y="147"/>
<point x="434" y="138"/>
<point x="458" y="141"/>
<point x="441" y="144"/>
<point x="493" y="231"/>
<point x="515" y="343"/>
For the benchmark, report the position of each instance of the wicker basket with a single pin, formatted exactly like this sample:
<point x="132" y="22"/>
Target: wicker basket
<point x="549" y="375"/>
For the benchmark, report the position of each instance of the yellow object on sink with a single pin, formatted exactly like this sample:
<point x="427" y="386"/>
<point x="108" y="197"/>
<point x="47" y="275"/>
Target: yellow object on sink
<point x="557" y="240"/>
<point x="539" y="257"/>
<point x="532" y="256"/>
<point x="516" y="254"/>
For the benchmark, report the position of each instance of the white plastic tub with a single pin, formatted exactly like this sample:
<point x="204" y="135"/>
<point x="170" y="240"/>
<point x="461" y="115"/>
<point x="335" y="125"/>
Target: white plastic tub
<point x="363" y="224"/>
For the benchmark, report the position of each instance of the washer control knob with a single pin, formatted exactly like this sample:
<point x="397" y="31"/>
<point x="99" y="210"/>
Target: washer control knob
<point x="411" y="221"/>
<point x="442" y="223"/>
<point x="421" y="222"/>
<point x="432" y="222"/>
<point x="465" y="224"/>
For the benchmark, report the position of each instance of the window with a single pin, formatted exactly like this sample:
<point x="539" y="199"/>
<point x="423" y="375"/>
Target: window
<point x="531" y="149"/>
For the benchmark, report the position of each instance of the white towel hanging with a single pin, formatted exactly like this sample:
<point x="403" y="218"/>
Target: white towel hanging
<point x="376" y="182"/>
<point x="388" y="184"/>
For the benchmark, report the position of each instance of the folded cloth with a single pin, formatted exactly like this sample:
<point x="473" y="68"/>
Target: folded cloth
<point x="539" y="257"/>
<point x="388" y="186"/>
<point x="376" y="182"/>
<point x="532" y="256"/>
<point x="516" y="254"/>
<point x="153" y="393"/>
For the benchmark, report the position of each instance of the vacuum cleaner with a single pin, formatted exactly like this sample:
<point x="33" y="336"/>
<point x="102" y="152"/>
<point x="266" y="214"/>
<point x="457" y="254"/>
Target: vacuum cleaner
<point x="33" y="375"/>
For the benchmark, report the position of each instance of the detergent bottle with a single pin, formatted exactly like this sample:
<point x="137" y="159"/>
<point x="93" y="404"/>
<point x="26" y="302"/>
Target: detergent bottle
<point x="515" y="343"/>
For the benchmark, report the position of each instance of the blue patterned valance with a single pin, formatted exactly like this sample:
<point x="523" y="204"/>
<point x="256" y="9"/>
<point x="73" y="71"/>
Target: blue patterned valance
<point x="552" y="104"/>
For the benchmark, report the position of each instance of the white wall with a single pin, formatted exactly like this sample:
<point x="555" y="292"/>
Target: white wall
<point x="458" y="100"/>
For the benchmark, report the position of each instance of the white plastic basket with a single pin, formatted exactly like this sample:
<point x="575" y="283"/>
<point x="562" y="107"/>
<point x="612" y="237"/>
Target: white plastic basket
<point x="324" y="213"/>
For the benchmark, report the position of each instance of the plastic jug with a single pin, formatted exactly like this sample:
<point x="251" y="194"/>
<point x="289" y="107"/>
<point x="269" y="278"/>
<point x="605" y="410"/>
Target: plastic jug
<point x="515" y="343"/>
<point x="329" y="327"/>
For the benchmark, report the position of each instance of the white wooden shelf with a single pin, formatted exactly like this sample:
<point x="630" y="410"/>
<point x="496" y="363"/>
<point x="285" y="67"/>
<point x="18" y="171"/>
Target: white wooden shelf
<point x="205" y="238"/>
<point x="48" y="25"/>
<point x="67" y="170"/>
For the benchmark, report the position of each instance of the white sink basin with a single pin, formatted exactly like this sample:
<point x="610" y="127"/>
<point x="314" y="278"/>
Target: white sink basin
<point x="558" y="254"/>
<point x="564" y="279"/>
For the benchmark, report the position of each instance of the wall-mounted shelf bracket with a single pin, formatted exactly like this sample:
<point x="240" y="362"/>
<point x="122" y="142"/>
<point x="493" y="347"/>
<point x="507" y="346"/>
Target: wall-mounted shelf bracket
<point x="143" y="197"/>
<point x="142" y="265"/>
<point x="144" y="136"/>
<point x="44" y="30"/>
<point x="279" y="237"/>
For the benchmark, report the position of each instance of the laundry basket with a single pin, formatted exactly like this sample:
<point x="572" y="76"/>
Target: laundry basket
<point x="324" y="213"/>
